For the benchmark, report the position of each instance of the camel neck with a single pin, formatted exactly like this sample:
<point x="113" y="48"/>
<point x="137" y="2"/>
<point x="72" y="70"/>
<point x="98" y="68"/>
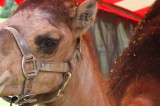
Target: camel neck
<point x="85" y="87"/>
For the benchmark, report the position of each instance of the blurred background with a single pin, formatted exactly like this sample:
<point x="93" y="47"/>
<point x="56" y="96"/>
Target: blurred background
<point x="7" y="10"/>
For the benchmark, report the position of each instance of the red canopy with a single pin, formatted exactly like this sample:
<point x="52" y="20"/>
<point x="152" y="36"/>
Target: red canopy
<point x="2" y="2"/>
<point x="18" y="1"/>
<point x="131" y="9"/>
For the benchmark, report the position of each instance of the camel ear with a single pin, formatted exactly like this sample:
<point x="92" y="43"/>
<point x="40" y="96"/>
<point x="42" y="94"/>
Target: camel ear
<point x="84" y="18"/>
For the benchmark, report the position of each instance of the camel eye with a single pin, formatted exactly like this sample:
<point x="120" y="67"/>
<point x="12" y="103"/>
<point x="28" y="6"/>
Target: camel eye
<point x="46" y="44"/>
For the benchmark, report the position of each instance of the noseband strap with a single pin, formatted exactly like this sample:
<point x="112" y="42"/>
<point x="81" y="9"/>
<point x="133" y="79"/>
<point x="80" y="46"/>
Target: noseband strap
<point x="28" y="57"/>
<point x="39" y="65"/>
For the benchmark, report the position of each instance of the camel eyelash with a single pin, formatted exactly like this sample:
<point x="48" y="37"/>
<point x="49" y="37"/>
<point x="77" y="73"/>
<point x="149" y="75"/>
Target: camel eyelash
<point x="46" y="44"/>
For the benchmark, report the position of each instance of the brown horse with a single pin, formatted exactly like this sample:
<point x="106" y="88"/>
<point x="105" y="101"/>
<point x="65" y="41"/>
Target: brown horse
<point x="47" y="59"/>
<point x="135" y="78"/>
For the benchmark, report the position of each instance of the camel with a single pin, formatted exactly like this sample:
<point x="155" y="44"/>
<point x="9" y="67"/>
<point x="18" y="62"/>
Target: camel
<point x="47" y="58"/>
<point x="134" y="79"/>
<point x="47" y="55"/>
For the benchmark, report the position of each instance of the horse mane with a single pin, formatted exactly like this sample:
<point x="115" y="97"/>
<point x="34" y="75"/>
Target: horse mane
<point x="141" y="59"/>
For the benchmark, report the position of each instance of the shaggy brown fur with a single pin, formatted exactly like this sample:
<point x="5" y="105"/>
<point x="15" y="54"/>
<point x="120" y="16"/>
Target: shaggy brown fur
<point x="137" y="71"/>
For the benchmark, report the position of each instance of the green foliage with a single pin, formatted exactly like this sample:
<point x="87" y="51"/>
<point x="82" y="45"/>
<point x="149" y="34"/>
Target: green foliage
<point x="8" y="9"/>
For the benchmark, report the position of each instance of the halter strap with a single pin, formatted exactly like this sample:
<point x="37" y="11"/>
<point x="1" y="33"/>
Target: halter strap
<point x="40" y="65"/>
<point x="28" y="57"/>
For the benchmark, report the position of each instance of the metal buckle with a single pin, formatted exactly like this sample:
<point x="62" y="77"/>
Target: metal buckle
<point x="23" y="99"/>
<point x="30" y="59"/>
<point x="79" y="54"/>
<point x="67" y="77"/>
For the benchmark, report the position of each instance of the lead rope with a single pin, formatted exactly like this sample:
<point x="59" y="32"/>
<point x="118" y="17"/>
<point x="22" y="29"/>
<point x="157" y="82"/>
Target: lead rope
<point x="12" y="100"/>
